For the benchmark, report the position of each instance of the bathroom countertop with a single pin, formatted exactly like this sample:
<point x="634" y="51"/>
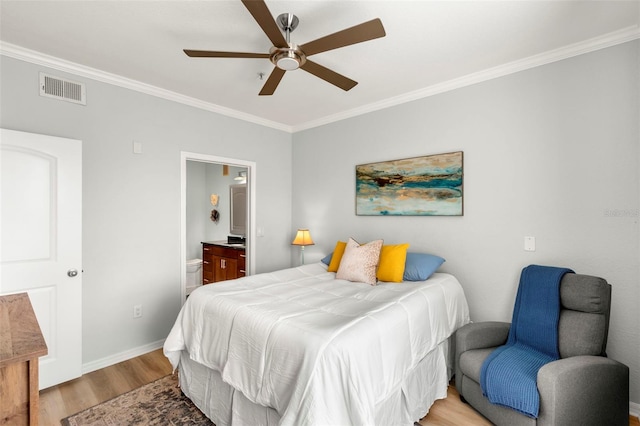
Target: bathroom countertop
<point x="223" y="243"/>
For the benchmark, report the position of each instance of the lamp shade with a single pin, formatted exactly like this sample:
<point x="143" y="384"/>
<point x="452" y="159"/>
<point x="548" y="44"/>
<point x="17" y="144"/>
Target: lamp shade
<point x="303" y="238"/>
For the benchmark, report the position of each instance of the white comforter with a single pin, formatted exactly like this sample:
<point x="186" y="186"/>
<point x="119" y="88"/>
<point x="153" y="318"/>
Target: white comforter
<point x="318" y="350"/>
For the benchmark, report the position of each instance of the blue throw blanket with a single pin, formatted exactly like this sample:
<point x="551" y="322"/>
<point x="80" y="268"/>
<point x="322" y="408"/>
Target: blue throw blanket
<point x="509" y="374"/>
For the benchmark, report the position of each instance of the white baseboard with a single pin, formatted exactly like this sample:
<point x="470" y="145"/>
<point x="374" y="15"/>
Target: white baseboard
<point x="119" y="357"/>
<point x="634" y="409"/>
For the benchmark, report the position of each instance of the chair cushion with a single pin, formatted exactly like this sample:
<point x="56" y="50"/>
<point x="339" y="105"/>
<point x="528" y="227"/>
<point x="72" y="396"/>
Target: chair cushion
<point x="580" y="333"/>
<point x="583" y="325"/>
<point x="471" y="362"/>
<point x="584" y="293"/>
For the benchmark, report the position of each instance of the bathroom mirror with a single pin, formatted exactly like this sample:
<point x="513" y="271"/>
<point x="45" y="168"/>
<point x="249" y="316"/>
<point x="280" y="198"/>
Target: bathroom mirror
<point x="238" y="214"/>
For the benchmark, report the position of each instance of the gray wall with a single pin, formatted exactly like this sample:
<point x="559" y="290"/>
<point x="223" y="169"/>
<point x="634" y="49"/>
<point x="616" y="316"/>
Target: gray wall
<point x="551" y="152"/>
<point x="131" y="202"/>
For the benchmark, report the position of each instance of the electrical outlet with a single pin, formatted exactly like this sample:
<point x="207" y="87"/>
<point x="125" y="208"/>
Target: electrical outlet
<point x="137" y="311"/>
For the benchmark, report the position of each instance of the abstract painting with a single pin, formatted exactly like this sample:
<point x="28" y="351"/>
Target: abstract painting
<point x="419" y="186"/>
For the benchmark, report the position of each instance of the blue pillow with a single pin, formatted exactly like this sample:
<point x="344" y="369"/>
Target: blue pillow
<point x="327" y="259"/>
<point x="420" y="266"/>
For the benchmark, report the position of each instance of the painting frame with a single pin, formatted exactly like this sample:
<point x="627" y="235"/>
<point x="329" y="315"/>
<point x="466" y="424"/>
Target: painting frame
<point x="429" y="185"/>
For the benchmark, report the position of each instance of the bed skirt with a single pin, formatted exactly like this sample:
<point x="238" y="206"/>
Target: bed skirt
<point x="410" y="402"/>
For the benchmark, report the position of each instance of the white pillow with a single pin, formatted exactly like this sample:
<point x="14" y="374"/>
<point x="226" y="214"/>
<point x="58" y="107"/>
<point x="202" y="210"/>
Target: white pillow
<point x="360" y="262"/>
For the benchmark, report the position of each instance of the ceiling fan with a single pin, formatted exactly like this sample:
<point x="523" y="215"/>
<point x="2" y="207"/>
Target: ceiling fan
<point x="287" y="56"/>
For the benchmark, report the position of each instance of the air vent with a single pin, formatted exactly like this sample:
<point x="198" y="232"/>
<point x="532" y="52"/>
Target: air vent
<point x="59" y="88"/>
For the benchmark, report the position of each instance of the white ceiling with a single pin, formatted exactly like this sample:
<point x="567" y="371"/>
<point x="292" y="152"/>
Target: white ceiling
<point x="430" y="46"/>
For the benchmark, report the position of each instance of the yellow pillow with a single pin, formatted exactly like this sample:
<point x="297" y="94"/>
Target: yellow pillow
<point x="337" y="256"/>
<point x="392" y="260"/>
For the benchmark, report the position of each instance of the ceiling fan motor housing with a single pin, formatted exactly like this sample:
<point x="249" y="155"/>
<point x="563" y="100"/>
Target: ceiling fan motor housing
<point x="287" y="58"/>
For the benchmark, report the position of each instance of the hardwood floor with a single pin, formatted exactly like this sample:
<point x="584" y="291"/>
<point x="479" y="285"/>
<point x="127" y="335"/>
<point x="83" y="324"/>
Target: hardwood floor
<point x="93" y="388"/>
<point x="453" y="412"/>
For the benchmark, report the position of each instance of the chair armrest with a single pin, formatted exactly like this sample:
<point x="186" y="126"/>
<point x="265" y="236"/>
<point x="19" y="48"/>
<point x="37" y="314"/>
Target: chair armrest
<point x="584" y="390"/>
<point x="479" y="335"/>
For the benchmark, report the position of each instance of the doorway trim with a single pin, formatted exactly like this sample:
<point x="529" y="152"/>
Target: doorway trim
<point x="251" y="210"/>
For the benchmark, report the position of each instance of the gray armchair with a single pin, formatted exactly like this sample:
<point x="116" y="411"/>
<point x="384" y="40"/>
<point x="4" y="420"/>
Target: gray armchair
<point x="583" y="387"/>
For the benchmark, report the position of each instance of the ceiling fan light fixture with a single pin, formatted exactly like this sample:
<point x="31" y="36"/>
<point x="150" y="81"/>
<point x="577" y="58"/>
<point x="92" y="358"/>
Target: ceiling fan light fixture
<point x="287" y="63"/>
<point x="287" y="58"/>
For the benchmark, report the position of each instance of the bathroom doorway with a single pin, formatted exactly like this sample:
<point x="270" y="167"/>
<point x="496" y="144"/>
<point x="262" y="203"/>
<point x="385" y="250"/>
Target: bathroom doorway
<point x="208" y="186"/>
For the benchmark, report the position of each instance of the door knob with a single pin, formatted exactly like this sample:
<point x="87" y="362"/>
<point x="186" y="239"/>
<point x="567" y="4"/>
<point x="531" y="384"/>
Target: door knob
<point x="72" y="272"/>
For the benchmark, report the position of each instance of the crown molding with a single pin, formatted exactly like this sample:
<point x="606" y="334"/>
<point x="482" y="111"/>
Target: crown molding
<point x="611" y="39"/>
<point x="34" y="57"/>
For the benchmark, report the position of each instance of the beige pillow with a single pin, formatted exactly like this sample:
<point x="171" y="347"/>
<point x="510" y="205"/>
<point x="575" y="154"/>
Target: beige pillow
<point x="360" y="262"/>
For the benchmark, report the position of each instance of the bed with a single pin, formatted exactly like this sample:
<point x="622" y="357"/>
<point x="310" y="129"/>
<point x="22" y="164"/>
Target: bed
<point x="300" y="347"/>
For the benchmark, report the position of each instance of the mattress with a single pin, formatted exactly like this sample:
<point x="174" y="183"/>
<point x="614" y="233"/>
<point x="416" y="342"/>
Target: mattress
<point x="314" y="349"/>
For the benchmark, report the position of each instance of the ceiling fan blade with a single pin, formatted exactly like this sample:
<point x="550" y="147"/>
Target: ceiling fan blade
<point x="263" y="17"/>
<point x="214" y="54"/>
<point x="329" y="76"/>
<point x="272" y="82"/>
<point x="364" y="32"/>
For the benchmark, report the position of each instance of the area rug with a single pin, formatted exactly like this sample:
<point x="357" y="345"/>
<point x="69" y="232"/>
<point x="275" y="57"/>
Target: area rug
<point x="158" y="403"/>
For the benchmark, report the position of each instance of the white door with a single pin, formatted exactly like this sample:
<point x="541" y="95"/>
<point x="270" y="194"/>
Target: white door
<point x="41" y="241"/>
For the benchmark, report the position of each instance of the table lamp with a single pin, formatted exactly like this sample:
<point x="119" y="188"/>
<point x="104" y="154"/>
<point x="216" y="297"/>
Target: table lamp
<point x="303" y="238"/>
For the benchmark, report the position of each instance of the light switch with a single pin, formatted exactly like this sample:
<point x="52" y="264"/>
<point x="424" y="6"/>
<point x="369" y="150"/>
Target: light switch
<point x="137" y="147"/>
<point x="530" y="243"/>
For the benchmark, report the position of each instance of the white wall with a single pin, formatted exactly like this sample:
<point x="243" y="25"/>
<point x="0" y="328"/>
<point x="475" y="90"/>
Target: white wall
<point x="131" y="202"/>
<point x="551" y="152"/>
<point x="196" y="203"/>
<point x="204" y="179"/>
<point x="219" y="184"/>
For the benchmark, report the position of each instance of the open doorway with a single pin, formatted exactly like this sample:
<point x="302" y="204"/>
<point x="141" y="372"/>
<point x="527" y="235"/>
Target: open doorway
<point x="216" y="181"/>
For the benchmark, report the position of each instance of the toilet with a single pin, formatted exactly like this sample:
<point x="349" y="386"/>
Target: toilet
<point x="194" y="274"/>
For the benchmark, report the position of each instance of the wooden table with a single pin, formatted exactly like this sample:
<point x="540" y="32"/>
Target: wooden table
<point x="21" y="343"/>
